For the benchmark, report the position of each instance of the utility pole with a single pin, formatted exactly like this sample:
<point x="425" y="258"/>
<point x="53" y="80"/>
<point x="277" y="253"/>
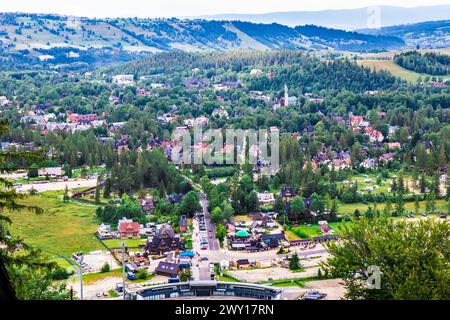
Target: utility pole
<point x="123" y="268"/>
<point x="81" y="277"/>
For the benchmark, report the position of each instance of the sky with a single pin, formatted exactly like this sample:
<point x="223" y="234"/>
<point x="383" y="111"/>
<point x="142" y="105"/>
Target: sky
<point x="186" y="8"/>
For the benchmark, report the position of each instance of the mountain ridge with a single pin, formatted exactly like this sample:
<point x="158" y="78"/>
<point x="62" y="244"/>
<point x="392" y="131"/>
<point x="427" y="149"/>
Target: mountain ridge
<point x="20" y="31"/>
<point x="347" y="19"/>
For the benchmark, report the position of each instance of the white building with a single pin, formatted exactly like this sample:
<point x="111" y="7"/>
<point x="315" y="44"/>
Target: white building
<point x="123" y="80"/>
<point x="52" y="172"/>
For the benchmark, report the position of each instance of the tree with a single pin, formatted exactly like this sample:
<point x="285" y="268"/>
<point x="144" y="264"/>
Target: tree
<point x="217" y="215"/>
<point x="24" y="273"/>
<point x="399" y="205"/>
<point x="278" y="206"/>
<point x="186" y="275"/>
<point x="228" y="211"/>
<point x="294" y="262"/>
<point x="413" y="260"/>
<point x="106" y="267"/>
<point x="221" y="232"/>
<point x="297" y="207"/>
<point x="142" y="274"/>
<point x="190" y="204"/>
<point x="107" y="188"/>
<point x="97" y="195"/>
<point x="66" y="196"/>
<point x="416" y="205"/>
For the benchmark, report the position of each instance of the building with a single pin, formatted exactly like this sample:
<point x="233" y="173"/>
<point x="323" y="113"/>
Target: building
<point x="53" y="172"/>
<point x="128" y="229"/>
<point x="207" y="288"/>
<point x="123" y="79"/>
<point x="183" y="223"/>
<point x="104" y="231"/>
<point x="167" y="269"/>
<point x="4" y="102"/>
<point x="266" y="198"/>
<point x="242" y="263"/>
<point x="288" y="193"/>
<point x="82" y="118"/>
<point x="147" y="205"/>
<point x="163" y="241"/>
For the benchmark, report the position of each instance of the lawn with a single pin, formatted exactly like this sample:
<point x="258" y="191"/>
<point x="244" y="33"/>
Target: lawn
<point x="130" y="243"/>
<point x="299" y="282"/>
<point x="350" y="208"/>
<point x="63" y="228"/>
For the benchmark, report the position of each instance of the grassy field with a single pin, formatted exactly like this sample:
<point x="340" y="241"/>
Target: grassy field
<point x="441" y="205"/>
<point x="393" y="68"/>
<point x="130" y="243"/>
<point x="63" y="228"/>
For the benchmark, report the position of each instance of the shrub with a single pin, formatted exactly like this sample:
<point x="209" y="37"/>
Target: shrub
<point x="106" y="267"/>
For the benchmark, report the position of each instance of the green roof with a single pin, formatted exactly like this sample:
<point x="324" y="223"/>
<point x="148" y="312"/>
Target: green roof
<point x="242" y="233"/>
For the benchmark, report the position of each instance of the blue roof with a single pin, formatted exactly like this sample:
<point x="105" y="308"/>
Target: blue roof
<point x="187" y="253"/>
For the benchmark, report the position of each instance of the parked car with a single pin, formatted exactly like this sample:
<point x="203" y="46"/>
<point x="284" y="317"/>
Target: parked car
<point x="314" y="295"/>
<point x="131" y="276"/>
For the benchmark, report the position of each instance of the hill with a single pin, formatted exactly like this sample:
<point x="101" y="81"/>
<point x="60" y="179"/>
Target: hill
<point x="348" y="19"/>
<point x="33" y="36"/>
<point x="424" y="35"/>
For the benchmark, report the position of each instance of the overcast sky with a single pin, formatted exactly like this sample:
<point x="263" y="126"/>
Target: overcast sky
<point x="182" y="8"/>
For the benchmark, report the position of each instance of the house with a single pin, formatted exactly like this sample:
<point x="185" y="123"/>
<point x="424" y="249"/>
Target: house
<point x="266" y="198"/>
<point x="53" y="172"/>
<point x="369" y="163"/>
<point x="220" y="113"/>
<point x="167" y="269"/>
<point x="272" y="240"/>
<point x="394" y="145"/>
<point x="123" y="79"/>
<point x="255" y="72"/>
<point x="267" y="222"/>
<point x="386" y="157"/>
<point x="164" y="240"/>
<point x="104" y="231"/>
<point x="356" y="121"/>
<point x="72" y="55"/>
<point x="376" y="136"/>
<point x="242" y="263"/>
<point x="4" y="102"/>
<point x="128" y="229"/>
<point x="147" y="205"/>
<point x="287" y="193"/>
<point x="183" y="223"/>
<point x="82" y="118"/>
<point x="198" y="83"/>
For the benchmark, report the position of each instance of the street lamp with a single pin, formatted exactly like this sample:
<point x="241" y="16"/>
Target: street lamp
<point x="123" y="268"/>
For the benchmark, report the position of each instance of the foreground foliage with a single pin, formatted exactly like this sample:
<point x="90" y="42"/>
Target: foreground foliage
<point x="413" y="257"/>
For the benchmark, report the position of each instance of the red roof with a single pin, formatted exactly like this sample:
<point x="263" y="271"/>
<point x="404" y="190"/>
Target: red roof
<point x="129" y="227"/>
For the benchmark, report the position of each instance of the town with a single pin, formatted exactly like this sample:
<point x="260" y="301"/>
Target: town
<point x="93" y="180"/>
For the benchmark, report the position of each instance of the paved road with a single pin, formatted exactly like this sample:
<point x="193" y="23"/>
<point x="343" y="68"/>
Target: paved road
<point x="213" y="244"/>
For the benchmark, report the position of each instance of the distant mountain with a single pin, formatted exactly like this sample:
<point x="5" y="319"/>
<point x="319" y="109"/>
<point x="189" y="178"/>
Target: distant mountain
<point x="347" y="19"/>
<point x="425" y="35"/>
<point x="35" y="33"/>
